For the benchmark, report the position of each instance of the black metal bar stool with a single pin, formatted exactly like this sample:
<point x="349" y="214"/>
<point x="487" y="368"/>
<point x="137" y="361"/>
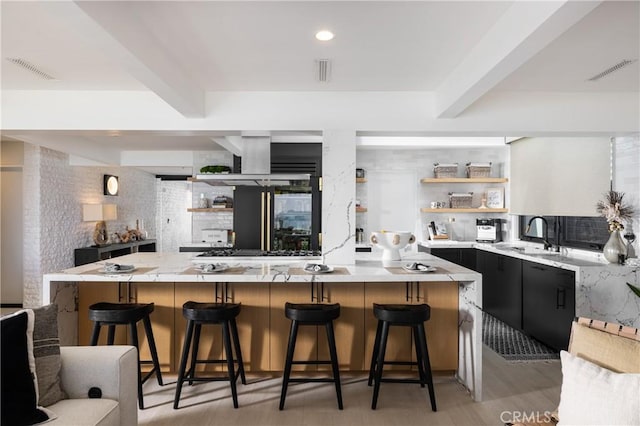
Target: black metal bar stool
<point x="196" y="315"/>
<point x="112" y="314"/>
<point x="413" y="316"/>
<point x="311" y="314"/>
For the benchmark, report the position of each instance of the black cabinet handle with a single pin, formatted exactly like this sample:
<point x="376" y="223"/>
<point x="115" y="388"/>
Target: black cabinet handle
<point x="418" y="291"/>
<point x="406" y="289"/>
<point x="539" y="268"/>
<point x="561" y="294"/>
<point x="322" y="298"/>
<point x="312" y="296"/>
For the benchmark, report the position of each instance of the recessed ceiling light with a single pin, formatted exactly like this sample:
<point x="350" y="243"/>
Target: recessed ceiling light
<point x="324" y="35"/>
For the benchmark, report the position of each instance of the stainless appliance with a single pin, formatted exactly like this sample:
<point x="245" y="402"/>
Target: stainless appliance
<point x="255" y="166"/>
<point x="216" y="255"/>
<point x="217" y="237"/>
<point x="488" y="230"/>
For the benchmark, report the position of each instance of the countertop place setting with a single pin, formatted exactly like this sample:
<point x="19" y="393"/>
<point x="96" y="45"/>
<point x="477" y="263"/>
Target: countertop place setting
<point x="115" y="268"/>
<point x="417" y="267"/>
<point x="317" y="268"/>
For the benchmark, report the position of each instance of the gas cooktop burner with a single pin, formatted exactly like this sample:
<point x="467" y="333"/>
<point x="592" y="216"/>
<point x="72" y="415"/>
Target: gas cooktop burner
<point x="226" y="252"/>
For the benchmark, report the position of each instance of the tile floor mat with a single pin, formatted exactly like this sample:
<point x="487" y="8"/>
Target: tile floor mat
<point x="511" y="344"/>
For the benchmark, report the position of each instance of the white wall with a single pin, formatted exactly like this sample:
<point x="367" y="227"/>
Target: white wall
<point x="405" y="168"/>
<point x="53" y="196"/>
<point x="11" y="228"/>
<point x="174" y="221"/>
<point x="626" y="178"/>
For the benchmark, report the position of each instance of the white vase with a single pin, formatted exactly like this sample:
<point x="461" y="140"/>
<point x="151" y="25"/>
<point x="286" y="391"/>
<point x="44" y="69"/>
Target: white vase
<point x="614" y="247"/>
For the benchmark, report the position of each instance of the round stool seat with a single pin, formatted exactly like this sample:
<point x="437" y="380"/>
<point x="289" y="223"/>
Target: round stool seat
<point x="402" y="314"/>
<point x="210" y="312"/>
<point x="312" y="312"/>
<point x="119" y="313"/>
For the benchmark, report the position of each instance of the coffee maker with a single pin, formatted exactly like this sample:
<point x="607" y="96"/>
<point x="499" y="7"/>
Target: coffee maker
<point x="488" y="230"/>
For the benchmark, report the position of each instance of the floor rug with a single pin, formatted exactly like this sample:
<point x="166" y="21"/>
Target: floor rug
<point x="512" y="344"/>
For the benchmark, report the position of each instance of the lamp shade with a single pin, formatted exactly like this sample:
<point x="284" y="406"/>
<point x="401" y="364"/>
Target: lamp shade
<point x="99" y="212"/>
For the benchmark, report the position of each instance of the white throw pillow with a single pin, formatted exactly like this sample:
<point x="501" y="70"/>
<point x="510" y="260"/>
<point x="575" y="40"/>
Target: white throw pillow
<point x="592" y="395"/>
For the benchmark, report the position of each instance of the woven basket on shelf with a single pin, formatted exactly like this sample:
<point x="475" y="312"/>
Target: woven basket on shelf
<point x="460" y="200"/>
<point x="478" y="170"/>
<point x="445" y="170"/>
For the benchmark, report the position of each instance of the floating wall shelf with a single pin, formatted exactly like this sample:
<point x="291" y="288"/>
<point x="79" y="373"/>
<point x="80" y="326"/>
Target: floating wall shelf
<point x="210" y="210"/>
<point x="472" y="210"/>
<point x="464" y="180"/>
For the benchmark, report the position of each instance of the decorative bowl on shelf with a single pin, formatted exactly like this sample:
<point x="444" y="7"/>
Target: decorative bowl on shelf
<point x="392" y="242"/>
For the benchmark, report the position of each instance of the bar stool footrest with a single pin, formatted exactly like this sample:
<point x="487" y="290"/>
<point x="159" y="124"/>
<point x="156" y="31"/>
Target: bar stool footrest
<point x="400" y="363"/>
<point x="311" y="362"/>
<point x="398" y="380"/>
<point x="312" y="379"/>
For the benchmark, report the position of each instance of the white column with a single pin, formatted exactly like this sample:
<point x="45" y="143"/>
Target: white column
<point x="338" y="196"/>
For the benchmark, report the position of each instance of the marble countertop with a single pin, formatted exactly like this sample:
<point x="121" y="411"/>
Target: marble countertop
<point x="570" y="259"/>
<point x="178" y="267"/>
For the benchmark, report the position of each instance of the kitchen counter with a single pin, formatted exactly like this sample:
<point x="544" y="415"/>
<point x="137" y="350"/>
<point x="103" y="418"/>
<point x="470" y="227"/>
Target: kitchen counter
<point x="61" y="288"/>
<point x="173" y="267"/>
<point x="601" y="290"/>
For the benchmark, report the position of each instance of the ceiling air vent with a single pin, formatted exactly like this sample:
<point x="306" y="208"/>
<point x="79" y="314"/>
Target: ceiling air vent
<point x="30" y="67"/>
<point x="612" y="69"/>
<point x="323" y="70"/>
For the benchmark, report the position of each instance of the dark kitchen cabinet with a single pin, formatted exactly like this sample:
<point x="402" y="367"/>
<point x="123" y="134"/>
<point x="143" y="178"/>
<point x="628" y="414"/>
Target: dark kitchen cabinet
<point x="460" y="256"/>
<point x="501" y="287"/>
<point x="85" y="255"/>
<point x="549" y="303"/>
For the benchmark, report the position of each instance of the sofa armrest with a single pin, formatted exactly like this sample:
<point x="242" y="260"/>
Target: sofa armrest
<point x="113" y="369"/>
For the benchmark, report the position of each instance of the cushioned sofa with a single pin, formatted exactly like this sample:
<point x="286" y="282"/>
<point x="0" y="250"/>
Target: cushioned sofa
<point x="73" y="385"/>
<point x="112" y="369"/>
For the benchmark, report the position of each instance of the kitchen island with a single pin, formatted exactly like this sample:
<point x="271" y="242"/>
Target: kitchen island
<point x="263" y="285"/>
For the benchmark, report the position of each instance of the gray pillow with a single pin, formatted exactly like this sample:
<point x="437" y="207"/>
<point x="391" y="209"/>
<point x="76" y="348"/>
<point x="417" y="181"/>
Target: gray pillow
<point x="46" y="350"/>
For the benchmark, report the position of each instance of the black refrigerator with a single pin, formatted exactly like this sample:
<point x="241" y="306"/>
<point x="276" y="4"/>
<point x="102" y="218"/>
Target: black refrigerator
<point x="285" y="217"/>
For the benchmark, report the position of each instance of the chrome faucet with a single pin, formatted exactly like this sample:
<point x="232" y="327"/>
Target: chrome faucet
<point x="545" y="239"/>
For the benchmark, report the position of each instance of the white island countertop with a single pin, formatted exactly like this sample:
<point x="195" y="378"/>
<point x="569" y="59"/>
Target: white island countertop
<point x="178" y="267"/>
<point x="175" y="268"/>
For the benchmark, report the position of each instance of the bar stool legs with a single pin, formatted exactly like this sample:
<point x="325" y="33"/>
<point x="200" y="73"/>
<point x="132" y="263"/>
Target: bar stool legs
<point x="198" y="314"/>
<point x="427" y="365"/>
<point x="293" y="334"/>
<point x="334" y="361"/>
<point x="380" y="363"/>
<point x="412" y="316"/>
<point x="311" y="315"/>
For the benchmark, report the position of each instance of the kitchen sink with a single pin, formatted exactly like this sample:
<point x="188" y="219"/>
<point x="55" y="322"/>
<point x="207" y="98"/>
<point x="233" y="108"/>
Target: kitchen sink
<point x="532" y="251"/>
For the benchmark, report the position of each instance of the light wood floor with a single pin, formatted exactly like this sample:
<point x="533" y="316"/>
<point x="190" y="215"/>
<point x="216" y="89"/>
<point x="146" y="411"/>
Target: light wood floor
<point x="510" y="387"/>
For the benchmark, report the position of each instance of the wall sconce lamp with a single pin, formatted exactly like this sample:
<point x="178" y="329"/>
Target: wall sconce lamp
<point x="99" y="213"/>
<point x="110" y="185"/>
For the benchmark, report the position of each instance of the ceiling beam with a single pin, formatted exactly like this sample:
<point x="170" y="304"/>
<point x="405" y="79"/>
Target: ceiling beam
<point x="233" y="144"/>
<point x="520" y="33"/>
<point x="78" y="145"/>
<point x="116" y="29"/>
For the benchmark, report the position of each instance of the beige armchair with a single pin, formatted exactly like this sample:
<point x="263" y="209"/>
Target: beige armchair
<point x="112" y="369"/>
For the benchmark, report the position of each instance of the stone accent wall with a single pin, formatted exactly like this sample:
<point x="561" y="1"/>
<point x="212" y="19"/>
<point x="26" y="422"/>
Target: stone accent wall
<point x="53" y="198"/>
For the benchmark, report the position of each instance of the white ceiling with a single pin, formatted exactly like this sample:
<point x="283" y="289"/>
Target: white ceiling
<point x="270" y="46"/>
